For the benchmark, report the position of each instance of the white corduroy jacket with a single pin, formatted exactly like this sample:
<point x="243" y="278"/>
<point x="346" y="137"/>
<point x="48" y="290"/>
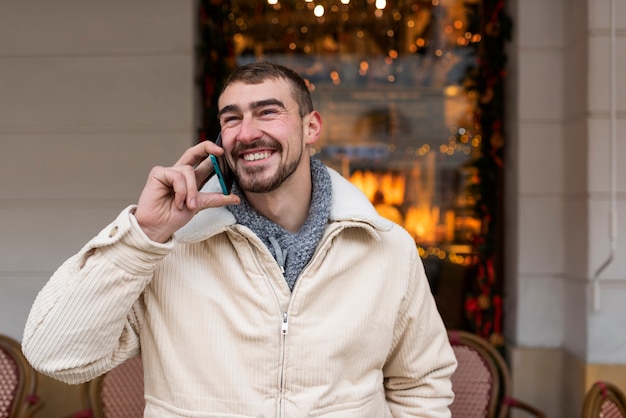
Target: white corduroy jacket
<point x="221" y="334"/>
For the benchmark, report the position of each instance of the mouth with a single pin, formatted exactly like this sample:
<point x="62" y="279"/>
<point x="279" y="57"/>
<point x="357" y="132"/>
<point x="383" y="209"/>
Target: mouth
<point x="256" y="156"/>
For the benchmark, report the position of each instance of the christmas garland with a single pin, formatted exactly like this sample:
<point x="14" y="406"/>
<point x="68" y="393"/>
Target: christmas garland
<point x="215" y="60"/>
<point x="484" y="299"/>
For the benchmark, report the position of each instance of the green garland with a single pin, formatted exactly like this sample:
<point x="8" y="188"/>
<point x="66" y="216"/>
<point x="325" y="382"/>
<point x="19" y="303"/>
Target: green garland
<point x="215" y="60"/>
<point x="483" y="302"/>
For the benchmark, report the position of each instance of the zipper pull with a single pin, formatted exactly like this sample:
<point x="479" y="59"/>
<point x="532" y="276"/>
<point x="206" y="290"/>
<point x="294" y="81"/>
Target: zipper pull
<point x="284" y="325"/>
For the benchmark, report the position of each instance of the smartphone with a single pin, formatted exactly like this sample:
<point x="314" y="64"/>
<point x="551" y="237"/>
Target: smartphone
<point x="222" y="169"/>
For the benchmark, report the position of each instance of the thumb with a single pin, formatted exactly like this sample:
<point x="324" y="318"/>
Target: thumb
<point x="214" y="200"/>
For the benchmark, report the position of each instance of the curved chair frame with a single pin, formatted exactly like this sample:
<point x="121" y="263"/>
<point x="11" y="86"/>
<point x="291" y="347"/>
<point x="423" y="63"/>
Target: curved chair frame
<point x="25" y="402"/>
<point x="117" y="390"/>
<point x="500" y="399"/>
<point x="92" y="397"/>
<point x="604" y="399"/>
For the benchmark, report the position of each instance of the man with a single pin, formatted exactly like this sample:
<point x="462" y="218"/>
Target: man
<point x="289" y="298"/>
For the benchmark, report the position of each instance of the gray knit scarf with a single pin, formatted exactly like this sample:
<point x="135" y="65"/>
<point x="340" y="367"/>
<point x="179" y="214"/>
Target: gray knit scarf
<point x="291" y="251"/>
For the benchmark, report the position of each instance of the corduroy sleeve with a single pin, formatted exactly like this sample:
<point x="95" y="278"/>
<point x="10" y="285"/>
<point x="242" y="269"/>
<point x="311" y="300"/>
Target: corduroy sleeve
<point x="83" y="322"/>
<point x="418" y="370"/>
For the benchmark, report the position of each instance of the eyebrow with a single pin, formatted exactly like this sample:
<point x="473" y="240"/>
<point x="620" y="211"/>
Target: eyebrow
<point x="254" y="105"/>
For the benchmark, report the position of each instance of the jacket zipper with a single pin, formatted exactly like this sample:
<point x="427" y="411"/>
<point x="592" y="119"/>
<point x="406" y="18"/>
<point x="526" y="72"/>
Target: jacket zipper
<point x="284" y="326"/>
<point x="284" y="321"/>
<point x="284" y="329"/>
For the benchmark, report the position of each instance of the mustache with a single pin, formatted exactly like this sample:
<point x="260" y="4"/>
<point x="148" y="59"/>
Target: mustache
<point x="261" y="143"/>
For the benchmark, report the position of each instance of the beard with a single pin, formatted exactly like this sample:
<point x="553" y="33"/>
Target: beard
<point x="255" y="180"/>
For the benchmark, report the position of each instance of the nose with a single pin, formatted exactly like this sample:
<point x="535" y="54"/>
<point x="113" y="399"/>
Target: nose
<point x="248" y="130"/>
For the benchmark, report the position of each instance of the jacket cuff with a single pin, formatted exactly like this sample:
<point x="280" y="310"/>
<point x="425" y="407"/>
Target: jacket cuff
<point x="124" y="243"/>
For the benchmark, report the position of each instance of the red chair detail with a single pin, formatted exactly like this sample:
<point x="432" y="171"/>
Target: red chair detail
<point x="604" y="400"/>
<point x="481" y="383"/>
<point x="116" y="394"/>
<point x="18" y="382"/>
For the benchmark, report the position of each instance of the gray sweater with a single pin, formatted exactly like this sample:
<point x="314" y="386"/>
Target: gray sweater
<point x="291" y="251"/>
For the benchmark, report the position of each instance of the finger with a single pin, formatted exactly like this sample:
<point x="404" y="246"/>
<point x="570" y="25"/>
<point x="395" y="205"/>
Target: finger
<point x="177" y="181"/>
<point x="198" y="153"/>
<point x="182" y="181"/>
<point x="203" y="170"/>
<point x="217" y="199"/>
<point x="191" y="187"/>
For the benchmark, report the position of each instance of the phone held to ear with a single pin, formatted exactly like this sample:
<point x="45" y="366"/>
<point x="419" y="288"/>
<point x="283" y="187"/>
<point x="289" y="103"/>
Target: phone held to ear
<point x="222" y="169"/>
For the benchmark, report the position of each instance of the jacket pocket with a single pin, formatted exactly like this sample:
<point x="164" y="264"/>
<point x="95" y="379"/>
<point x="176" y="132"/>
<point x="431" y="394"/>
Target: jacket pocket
<point x="372" y="406"/>
<point x="159" y="409"/>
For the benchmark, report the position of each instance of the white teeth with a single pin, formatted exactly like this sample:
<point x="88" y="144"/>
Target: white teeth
<point x="256" y="156"/>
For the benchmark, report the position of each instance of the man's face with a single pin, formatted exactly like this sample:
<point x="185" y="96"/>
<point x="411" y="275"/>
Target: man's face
<point x="262" y="133"/>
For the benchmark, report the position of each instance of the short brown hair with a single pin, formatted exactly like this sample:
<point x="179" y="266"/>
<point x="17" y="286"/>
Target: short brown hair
<point x="258" y="72"/>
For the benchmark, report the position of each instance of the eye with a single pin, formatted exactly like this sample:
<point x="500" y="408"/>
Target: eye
<point x="228" y="119"/>
<point x="268" y="111"/>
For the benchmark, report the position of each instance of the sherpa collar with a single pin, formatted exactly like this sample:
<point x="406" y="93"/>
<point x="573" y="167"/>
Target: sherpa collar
<point x="348" y="204"/>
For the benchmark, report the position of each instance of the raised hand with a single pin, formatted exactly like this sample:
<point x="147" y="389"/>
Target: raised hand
<point x="171" y="198"/>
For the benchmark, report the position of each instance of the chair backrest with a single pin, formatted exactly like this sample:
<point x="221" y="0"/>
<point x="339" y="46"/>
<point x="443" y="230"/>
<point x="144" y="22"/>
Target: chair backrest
<point x="481" y="383"/>
<point x="18" y="381"/>
<point x="118" y="393"/>
<point x="476" y="383"/>
<point x="604" y="400"/>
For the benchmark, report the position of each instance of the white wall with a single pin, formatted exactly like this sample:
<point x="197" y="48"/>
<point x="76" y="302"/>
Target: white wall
<point x="561" y="176"/>
<point x="558" y="200"/>
<point x="606" y="339"/>
<point x="92" y="95"/>
<point x="535" y="170"/>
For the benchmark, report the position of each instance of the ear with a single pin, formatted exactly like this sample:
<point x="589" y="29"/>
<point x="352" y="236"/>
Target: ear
<point x="312" y="127"/>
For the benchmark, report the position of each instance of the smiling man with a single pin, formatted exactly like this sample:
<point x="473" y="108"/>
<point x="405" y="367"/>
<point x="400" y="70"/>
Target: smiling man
<point x="290" y="298"/>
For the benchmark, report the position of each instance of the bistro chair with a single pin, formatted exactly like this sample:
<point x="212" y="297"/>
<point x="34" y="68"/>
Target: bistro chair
<point x="604" y="400"/>
<point x="18" y="382"/>
<point x="482" y="382"/>
<point x="115" y="394"/>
